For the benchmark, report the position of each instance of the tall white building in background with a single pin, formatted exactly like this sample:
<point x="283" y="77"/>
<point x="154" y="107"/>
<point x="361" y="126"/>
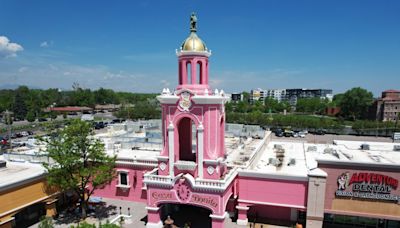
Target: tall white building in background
<point x="290" y="95"/>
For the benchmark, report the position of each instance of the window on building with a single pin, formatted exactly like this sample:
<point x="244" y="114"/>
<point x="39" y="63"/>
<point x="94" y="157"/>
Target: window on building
<point x="123" y="178"/>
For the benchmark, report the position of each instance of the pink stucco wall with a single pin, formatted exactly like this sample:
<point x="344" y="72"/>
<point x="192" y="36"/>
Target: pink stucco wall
<point x="272" y="191"/>
<point x="135" y="193"/>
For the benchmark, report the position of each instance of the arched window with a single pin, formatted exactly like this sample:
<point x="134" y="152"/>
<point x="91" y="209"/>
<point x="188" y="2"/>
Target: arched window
<point x="187" y="139"/>
<point x="189" y="72"/>
<point x="180" y="73"/>
<point x="199" y="73"/>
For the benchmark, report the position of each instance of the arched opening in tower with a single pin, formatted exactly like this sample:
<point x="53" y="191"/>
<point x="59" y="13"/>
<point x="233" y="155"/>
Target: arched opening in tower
<point x="199" y="72"/>
<point x="187" y="139"/>
<point x="189" y="72"/>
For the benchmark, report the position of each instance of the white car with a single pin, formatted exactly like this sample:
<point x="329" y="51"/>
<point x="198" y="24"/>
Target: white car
<point x="302" y="134"/>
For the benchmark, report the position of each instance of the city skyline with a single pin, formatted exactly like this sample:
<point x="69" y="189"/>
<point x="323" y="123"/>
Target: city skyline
<point x="271" y="44"/>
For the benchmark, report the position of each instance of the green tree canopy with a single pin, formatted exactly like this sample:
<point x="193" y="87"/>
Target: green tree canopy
<point x="81" y="164"/>
<point x="355" y="103"/>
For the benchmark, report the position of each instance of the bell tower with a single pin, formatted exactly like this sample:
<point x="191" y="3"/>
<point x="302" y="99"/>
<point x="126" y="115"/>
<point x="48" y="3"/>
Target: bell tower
<point x="193" y="116"/>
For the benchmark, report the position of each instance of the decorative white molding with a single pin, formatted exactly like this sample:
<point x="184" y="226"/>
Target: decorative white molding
<point x="220" y="217"/>
<point x="200" y="148"/>
<point x="154" y="225"/>
<point x="152" y="208"/>
<point x="184" y="53"/>
<point x="162" y="158"/>
<point x="171" y="149"/>
<point x="244" y="208"/>
<point x="185" y="165"/>
<point x="242" y="222"/>
<point x="258" y="174"/>
<point x="151" y="178"/>
<point x="163" y="166"/>
<point x="213" y="162"/>
<point x="210" y="170"/>
<point x="214" y="99"/>
<point x="167" y="99"/>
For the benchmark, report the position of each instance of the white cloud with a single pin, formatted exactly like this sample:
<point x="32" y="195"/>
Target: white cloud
<point x="8" y="49"/>
<point x="165" y="83"/>
<point x="46" y="44"/>
<point x="22" y="69"/>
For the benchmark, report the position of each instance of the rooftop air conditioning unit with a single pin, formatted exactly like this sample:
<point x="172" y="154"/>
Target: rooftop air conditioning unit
<point x="364" y="146"/>
<point x="292" y="161"/>
<point x="396" y="147"/>
<point x="3" y="164"/>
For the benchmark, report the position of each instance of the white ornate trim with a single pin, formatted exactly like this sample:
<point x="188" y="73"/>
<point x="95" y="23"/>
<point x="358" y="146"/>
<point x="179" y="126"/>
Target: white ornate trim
<point x="207" y="99"/>
<point x="152" y="208"/>
<point x="223" y="216"/>
<point x="185" y="165"/>
<point x="244" y="208"/>
<point x="162" y="158"/>
<point x="163" y="166"/>
<point x="167" y="99"/>
<point x="154" y="225"/>
<point x="242" y="222"/>
<point x="210" y="170"/>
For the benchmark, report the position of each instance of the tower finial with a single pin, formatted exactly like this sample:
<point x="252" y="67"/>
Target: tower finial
<point x="193" y="22"/>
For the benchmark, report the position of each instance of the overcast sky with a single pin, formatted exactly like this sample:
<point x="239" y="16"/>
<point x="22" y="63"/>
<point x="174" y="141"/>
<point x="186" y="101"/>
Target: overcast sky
<point x="130" y="45"/>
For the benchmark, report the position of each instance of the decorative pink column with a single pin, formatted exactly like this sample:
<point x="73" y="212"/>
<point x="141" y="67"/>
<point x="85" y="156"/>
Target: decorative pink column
<point x="217" y="221"/>
<point x="153" y="218"/>
<point x="242" y="215"/>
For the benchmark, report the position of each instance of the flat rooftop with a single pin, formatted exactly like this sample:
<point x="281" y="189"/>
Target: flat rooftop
<point x="282" y="158"/>
<point x="351" y="152"/>
<point x="16" y="173"/>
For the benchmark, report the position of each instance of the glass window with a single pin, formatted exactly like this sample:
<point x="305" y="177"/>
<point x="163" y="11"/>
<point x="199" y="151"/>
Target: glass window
<point x="123" y="178"/>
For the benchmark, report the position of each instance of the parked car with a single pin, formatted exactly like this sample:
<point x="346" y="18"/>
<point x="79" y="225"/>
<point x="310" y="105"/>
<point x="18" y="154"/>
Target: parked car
<point x="99" y="125"/>
<point x="279" y="132"/>
<point x="24" y="133"/>
<point x="302" y="134"/>
<point x="320" y="132"/>
<point x="42" y="119"/>
<point x="288" y="133"/>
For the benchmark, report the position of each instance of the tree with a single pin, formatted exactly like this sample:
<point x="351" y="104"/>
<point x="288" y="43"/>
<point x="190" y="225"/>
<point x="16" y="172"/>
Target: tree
<point x="20" y="109"/>
<point x="30" y="116"/>
<point x="355" y="103"/>
<point x="46" y="222"/>
<point x="81" y="164"/>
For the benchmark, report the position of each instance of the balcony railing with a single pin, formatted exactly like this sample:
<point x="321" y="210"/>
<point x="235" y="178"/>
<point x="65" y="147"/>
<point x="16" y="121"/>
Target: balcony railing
<point x="153" y="178"/>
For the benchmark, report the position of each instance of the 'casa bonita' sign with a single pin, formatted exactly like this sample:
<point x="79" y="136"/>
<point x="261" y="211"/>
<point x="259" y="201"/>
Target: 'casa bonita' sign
<point x="367" y="186"/>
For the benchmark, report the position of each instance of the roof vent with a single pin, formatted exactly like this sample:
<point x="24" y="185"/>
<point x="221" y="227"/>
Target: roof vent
<point x="364" y="146"/>
<point x="332" y="152"/>
<point x="3" y="164"/>
<point x="292" y="161"/>
<point x="311" y="148"/>
<point x="278" y="146"/>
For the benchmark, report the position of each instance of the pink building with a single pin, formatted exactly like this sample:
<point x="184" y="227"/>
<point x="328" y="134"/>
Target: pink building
<point x="199" y="169"/>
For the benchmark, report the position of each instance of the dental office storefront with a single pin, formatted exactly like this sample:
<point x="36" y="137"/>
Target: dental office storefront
<point x="361" y="195"/>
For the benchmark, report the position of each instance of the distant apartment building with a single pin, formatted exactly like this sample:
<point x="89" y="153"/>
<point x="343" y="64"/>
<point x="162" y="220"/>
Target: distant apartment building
<point x="388" y="106"/>
<point x="290" y="95"/>
<point x="236" y="97"/>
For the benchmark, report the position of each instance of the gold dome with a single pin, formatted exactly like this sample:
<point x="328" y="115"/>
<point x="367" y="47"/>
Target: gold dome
<point x="193" y="43"/>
